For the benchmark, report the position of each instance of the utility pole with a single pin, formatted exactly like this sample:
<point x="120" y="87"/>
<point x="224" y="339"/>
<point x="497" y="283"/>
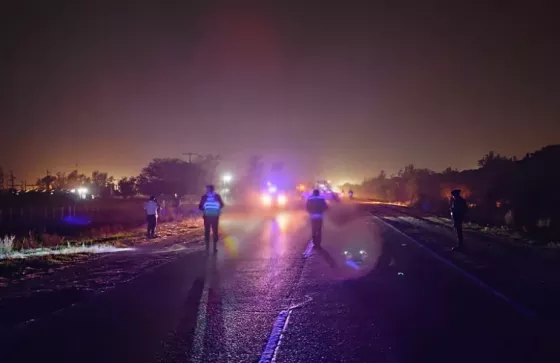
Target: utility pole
<point x="12" y="180"/>
<point x="190" y="155"/>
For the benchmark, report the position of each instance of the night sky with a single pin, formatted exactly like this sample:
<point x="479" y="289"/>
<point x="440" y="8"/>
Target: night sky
<point x="336" y="89"/>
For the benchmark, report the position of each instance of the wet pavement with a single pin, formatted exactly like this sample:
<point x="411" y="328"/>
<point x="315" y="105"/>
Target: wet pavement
<point x="369" y="295"/>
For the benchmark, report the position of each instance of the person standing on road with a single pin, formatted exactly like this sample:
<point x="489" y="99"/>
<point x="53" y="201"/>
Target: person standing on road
<point x="211" y="205"/>
<point x="152" y="208"/>
<point x="458" y="210"/>
<point x="316" y="207"/>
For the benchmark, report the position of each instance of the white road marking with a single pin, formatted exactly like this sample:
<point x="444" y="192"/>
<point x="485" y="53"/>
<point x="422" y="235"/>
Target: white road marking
<point x="277" y="333"/>
<point x="468" y="275"/>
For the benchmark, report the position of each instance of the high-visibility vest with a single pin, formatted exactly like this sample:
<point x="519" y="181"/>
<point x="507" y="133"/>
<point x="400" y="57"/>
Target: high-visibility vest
<point x="317" y="201"/>
<point x="211" y="206"/>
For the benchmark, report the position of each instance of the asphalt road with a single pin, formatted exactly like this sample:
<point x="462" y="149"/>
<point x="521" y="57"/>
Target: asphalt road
<point x="267" y="297"/>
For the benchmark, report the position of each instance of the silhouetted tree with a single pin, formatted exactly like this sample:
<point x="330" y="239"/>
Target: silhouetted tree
<point x="127" y="187"/>
<point x="450" y="171"/>
<point x="61" y="181"/>
<point x="494" y="159"/>
<point x="75" y="180"/>
<point x="171" y="176"/>
<point x="47" y="182"/>
<point x="526" y="191"/>
<point x="101" y="183"/>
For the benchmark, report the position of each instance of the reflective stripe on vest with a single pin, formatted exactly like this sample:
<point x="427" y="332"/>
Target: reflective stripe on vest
<point x="316" y="216"/>
<point x="211" y="204"/>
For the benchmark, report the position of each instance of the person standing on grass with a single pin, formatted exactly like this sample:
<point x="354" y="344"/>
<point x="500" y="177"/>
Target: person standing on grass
<point x="152" y="208"/>
<point x="211" y="205"/>
<point x="458" y="210"/>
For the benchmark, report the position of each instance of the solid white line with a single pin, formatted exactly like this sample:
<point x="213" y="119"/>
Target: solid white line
<point x="470" y="276"/>
<point x="295" y="306"/>
<point x="281" y="323"/>
<point x="281" y="336"/>
<point x="273" y="343"/>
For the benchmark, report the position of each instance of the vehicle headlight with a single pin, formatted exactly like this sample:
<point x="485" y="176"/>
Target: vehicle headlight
<point x="266" y="199"/>
<point x="282" y="199"/>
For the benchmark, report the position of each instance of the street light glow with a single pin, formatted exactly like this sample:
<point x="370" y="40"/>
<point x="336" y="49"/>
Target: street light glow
<point x="227" y="178"/>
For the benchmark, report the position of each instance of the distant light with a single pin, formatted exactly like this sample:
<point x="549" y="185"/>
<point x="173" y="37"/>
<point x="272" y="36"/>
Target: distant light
<point x="72" y="190"/>
<point x="362" y="252"/>
<point x="282" y="199"/>
<point x="82" y="190"/>
<point x="272" y="189"/>
<point x="227" y="178"/>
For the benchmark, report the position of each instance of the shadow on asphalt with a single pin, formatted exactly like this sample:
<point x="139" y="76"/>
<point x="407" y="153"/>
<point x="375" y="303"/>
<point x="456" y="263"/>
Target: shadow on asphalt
<point x="180" y="341"/>
<point x="326" y="256"/>
<point x="213" y="350"/>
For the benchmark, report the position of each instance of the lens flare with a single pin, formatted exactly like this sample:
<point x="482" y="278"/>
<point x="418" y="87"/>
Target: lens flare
<point x="231" y="244"/>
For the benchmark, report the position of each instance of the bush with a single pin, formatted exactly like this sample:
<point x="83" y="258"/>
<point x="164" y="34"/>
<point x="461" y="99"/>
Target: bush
<point x="6" y="245"/>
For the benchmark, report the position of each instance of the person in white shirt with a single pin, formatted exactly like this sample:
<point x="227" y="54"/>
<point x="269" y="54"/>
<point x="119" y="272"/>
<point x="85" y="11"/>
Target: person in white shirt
<point x="152" y="208"/>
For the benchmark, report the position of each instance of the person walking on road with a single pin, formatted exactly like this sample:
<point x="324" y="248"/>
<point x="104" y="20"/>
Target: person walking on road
<point x="458" y="210"/>
<point x="316" y="207"/>
<point x="152" y="208"/>
<point x="211" y="205"/>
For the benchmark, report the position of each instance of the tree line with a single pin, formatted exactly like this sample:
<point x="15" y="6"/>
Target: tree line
<point x="523" y="194"/>
<point x="162" y="176"/>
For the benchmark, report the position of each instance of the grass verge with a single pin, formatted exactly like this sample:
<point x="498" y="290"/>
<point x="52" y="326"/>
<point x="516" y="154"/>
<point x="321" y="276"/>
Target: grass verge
<point x="18" y="263"/>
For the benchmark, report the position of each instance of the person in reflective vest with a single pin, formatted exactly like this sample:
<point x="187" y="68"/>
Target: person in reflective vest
<point x="211" y="205"/>
<point x="152" y="208"/>
<point x="316" y="207"/>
